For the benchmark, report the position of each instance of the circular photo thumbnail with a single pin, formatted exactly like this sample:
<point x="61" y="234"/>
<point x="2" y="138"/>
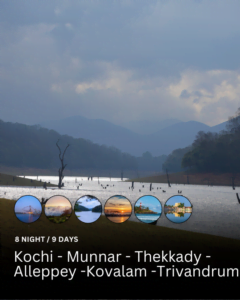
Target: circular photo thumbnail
<point x="178" y="209"/>
<point x="148" y="209"/>
<point x="58" y="209"/>
<point x="28" y="209"/>
<point x="118" y="209"/>
<point x="88" y="209"/>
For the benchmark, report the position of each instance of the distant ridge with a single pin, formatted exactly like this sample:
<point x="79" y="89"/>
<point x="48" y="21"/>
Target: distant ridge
<point x="163" y="141"/>
<point x="24" y="146"/>
<point x="149" y="127"/>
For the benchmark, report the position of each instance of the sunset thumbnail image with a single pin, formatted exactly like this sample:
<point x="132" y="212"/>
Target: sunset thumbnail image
<point x="28" y="209"/>
<point x="58" y="209"/>
<point x="118" y="209"/>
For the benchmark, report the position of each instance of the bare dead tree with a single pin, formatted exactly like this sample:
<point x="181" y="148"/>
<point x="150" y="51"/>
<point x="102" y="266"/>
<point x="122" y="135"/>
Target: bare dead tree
<point x="60" y="171"/>
<point x="238" y="198"/>
<point x="168" y="178"/>
<point x="234" y="175"/>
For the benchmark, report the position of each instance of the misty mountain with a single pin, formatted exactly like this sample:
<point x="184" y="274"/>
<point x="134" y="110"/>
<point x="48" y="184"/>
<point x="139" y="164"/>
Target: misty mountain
<point x="176" y="136"/>
<point x="148" y="127"/>
<point x="25" y="146"/>
<point x="219" y="127"/>
<point x="164" y="141"/>
<point x="98" y="131"/>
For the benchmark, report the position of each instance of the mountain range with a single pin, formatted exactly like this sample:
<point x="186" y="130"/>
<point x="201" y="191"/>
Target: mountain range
<point x="55" y="210"/>
<point x="158" y="138"/>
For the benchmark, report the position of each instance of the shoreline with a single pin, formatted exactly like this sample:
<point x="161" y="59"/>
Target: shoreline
<point x="191" y="178"/>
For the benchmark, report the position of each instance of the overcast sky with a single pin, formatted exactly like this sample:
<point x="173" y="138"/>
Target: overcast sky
<point x="119" y="60"/>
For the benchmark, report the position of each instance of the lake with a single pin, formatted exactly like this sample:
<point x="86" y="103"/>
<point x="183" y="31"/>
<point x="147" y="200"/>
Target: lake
<point x="87" y="216"/>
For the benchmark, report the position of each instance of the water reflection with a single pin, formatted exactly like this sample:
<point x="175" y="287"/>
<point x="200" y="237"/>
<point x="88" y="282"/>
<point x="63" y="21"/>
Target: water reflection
<point x="118" y="209"/>
<point x="178" y="209"/>
<point x="118" y="219"/>
<point x="178" y="218"/>
<point x="88" y="216"/>
<point x="28" y="209"/>
<point x="88" y="209"/>
<point x="27" y="218"/>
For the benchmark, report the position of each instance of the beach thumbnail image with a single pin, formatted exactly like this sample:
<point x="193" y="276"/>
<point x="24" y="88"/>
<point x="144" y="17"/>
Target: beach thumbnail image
<point x="58" y="209"/>
<point x="118" y="209"/>
<point x="88" y="209"/>
<point x="178" y="209"/>
<point x="28" y="209"/>
<point x="148" y="209"/>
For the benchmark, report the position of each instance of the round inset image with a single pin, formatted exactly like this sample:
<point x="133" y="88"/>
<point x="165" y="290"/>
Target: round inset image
<point x="148" y="209"/>
<point x="58" y="209"/>
<point x="88" y="209"/>
<point x="118" y="209"/>
<point x="178" y="209"/>
<point x="28" y="209"/>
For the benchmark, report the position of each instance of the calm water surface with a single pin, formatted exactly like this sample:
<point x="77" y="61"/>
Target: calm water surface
<point x="180" y="219"/>
<point x="27" y="218"/>
<point x="87" y="216"/>
<point x="118" y="219"/>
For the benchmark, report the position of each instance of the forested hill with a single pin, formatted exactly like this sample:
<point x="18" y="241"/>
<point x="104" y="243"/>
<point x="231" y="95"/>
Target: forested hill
<point x="210" y="152"/>
<point x="35" y="147"/>
<point x="216" y="152"/>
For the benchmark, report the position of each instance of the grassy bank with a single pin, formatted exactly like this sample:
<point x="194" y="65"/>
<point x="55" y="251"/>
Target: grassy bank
<point x="193" y="178"/>
<point x="11" y="180"/>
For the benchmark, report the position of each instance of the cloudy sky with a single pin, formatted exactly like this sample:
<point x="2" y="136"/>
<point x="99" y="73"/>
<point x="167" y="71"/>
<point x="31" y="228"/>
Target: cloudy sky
<point x="119" y="60"/>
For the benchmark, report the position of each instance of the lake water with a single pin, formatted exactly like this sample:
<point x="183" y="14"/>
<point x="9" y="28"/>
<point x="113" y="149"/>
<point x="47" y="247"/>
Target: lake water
<point x="177" y="219"/>
<point x="147" y="218"/>
<point x="118" y="219"/>
<point x="87" y="216"/>
<point x="215" y="209"/>
<point x="27" y="218"/>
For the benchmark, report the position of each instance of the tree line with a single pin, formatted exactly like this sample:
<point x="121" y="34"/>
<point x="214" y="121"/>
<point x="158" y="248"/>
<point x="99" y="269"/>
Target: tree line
<point x="210" y="152"/>
<point x="25" y="146"/>
<point x="35" y="147"/>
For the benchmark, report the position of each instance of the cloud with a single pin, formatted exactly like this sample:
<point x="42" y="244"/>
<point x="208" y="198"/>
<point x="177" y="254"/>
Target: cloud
<point x="115" y="79"/>
<point x="212" y="88"/>
<point x="69" y="26"/>
<point x="57" y="11"/>
<point x="185" y="94"/>
<point x="119" y="61"/>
